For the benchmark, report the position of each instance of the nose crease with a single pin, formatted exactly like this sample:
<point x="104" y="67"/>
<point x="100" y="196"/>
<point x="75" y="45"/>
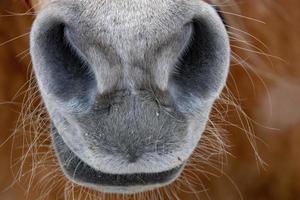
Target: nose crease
<point x="132" y="156"/>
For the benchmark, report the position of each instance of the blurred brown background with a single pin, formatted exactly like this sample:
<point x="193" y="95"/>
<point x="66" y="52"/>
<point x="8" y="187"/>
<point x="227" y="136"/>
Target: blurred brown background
<point x="268" y="90"/>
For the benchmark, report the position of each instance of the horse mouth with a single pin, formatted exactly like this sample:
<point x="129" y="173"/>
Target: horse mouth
<point x="82" y="174"/>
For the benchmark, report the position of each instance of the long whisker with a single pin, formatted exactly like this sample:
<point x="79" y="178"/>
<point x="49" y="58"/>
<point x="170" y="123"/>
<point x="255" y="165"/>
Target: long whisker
<point x="13" y="39"/>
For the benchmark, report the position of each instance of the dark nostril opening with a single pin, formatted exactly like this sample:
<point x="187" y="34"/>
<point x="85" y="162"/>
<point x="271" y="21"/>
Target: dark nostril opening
<point x="199" y="62"/>
<point x="203" y="65"/>
<point x="60" y="68"/>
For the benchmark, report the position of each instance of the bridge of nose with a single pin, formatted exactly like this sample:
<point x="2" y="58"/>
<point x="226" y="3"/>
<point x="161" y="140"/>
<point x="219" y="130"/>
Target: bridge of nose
<point x="134" y="40"/>
<point x="153" y="16"/>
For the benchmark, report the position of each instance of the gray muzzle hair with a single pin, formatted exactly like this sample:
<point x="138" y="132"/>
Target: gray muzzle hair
<point x="129" y="86"/>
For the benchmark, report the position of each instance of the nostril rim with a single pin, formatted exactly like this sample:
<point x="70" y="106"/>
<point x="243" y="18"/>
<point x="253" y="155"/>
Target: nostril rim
<point x="202" y="68"/>
<point x="61" y="70"/>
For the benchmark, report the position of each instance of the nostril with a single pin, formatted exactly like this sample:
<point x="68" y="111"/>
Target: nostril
<point x="60" y="68"/>
<point x="202" y="68"/>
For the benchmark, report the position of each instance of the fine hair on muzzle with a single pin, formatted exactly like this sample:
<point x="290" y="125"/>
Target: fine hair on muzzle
<point x="129" y="86"/>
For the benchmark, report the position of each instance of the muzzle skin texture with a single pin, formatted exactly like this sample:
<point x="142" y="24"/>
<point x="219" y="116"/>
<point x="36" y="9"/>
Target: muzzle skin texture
<point x="128" y="86"/>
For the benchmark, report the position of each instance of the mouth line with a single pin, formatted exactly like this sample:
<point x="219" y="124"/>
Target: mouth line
<point x="81" y="173"/>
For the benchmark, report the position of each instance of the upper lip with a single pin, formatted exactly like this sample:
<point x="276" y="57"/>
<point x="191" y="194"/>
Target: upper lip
<point x="80" y="172"/>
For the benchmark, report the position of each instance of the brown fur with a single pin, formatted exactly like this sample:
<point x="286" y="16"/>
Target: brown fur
<point x="267" y="89"/>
